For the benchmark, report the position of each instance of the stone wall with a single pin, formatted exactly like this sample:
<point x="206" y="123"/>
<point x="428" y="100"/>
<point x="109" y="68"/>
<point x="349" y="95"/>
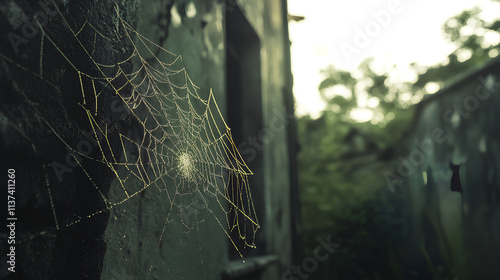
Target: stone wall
<point x="42" y="121"/>
<point x="451" y="172"/>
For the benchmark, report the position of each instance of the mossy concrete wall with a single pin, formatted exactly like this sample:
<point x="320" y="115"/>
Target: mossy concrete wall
<point x="455" y="210"/>
<point x="124" y="243"/>
<point x="268" y="18"/>
<point x="147" y="237"/>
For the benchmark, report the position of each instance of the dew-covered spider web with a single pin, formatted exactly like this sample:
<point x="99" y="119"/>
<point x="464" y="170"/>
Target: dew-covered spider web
<point x="177" y="151"/>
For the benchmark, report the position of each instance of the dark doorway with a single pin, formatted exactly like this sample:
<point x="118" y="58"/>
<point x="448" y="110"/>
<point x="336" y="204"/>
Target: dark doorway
<point x="245" y="116"/>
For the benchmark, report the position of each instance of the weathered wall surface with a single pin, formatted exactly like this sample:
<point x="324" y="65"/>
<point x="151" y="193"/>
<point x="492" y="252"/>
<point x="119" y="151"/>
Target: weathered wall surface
<point x="42" y="121"/>
<point x="40" y="118"/>
<point x="193" y="29"/>
<point x="268" y="17"/>
<point x="455" y="211"/>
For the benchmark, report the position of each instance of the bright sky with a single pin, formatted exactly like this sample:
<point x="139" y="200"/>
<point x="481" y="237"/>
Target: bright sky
<point x="406" y="31"/>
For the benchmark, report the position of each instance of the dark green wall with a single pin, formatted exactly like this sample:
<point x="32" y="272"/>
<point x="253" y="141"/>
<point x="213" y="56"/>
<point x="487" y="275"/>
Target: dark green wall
<point x="41" y="121"/>
<point x="459" y="229"/>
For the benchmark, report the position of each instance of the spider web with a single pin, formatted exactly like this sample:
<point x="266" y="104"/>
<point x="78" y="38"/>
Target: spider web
<point x="181" y="147"/>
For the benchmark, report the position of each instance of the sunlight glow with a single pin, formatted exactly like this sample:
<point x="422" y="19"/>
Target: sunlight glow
<point x="361" y="114"/>
<point x="493" y="53"/>
<point x="432" y="87"/>
<point x="373" y="102"/>
<point x="338" y="90"/>
<point x="463" y="55"/>
<point x="407" y="37"/>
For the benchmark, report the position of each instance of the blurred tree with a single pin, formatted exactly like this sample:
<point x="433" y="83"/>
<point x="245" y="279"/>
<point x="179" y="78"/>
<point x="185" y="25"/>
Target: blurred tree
<point x="343" y="158"/>
<point x="476" y="41"/>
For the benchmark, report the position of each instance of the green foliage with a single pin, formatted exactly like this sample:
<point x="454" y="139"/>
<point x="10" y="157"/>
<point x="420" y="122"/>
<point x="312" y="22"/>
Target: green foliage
<point x="342" y="160"/>
<point x="475" y="43"/>
<point x="341" y="173"/>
